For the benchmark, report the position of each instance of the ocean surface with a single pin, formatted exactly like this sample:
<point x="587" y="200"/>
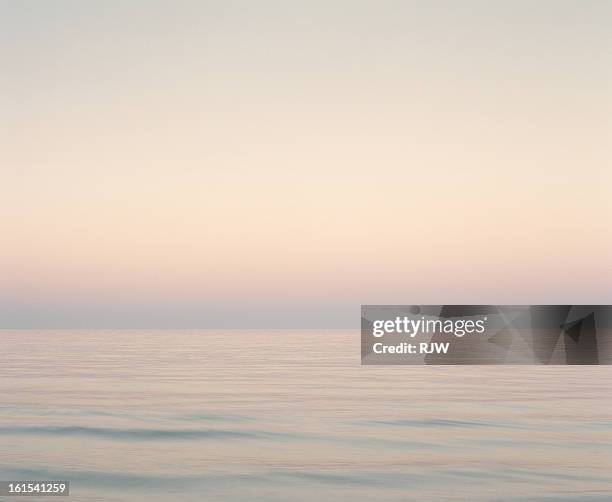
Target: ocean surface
<point x="293" y="416"/>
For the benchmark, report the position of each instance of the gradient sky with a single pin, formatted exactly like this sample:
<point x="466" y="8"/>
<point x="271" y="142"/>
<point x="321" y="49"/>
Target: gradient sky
<point x="279" y="163"/>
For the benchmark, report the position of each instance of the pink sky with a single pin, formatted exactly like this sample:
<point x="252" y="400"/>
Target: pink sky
<point x="212" y="165"/>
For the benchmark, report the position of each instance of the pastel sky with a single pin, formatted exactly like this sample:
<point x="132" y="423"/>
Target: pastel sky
<point x="279" y="163"/>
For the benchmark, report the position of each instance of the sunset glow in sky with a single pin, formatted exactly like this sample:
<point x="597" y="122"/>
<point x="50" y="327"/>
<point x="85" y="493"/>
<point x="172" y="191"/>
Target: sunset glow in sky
<point x="277" y="164"/>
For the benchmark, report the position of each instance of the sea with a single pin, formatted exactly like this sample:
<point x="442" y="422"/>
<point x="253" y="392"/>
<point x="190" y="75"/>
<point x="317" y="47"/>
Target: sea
<point x="278" y="415"/>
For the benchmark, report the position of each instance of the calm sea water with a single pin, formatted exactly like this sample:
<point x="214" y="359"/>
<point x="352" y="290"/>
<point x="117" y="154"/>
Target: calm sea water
<point x="237" y="415"/>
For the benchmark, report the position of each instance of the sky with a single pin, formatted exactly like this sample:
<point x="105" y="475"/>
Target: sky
<point x="272" y="164"/>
